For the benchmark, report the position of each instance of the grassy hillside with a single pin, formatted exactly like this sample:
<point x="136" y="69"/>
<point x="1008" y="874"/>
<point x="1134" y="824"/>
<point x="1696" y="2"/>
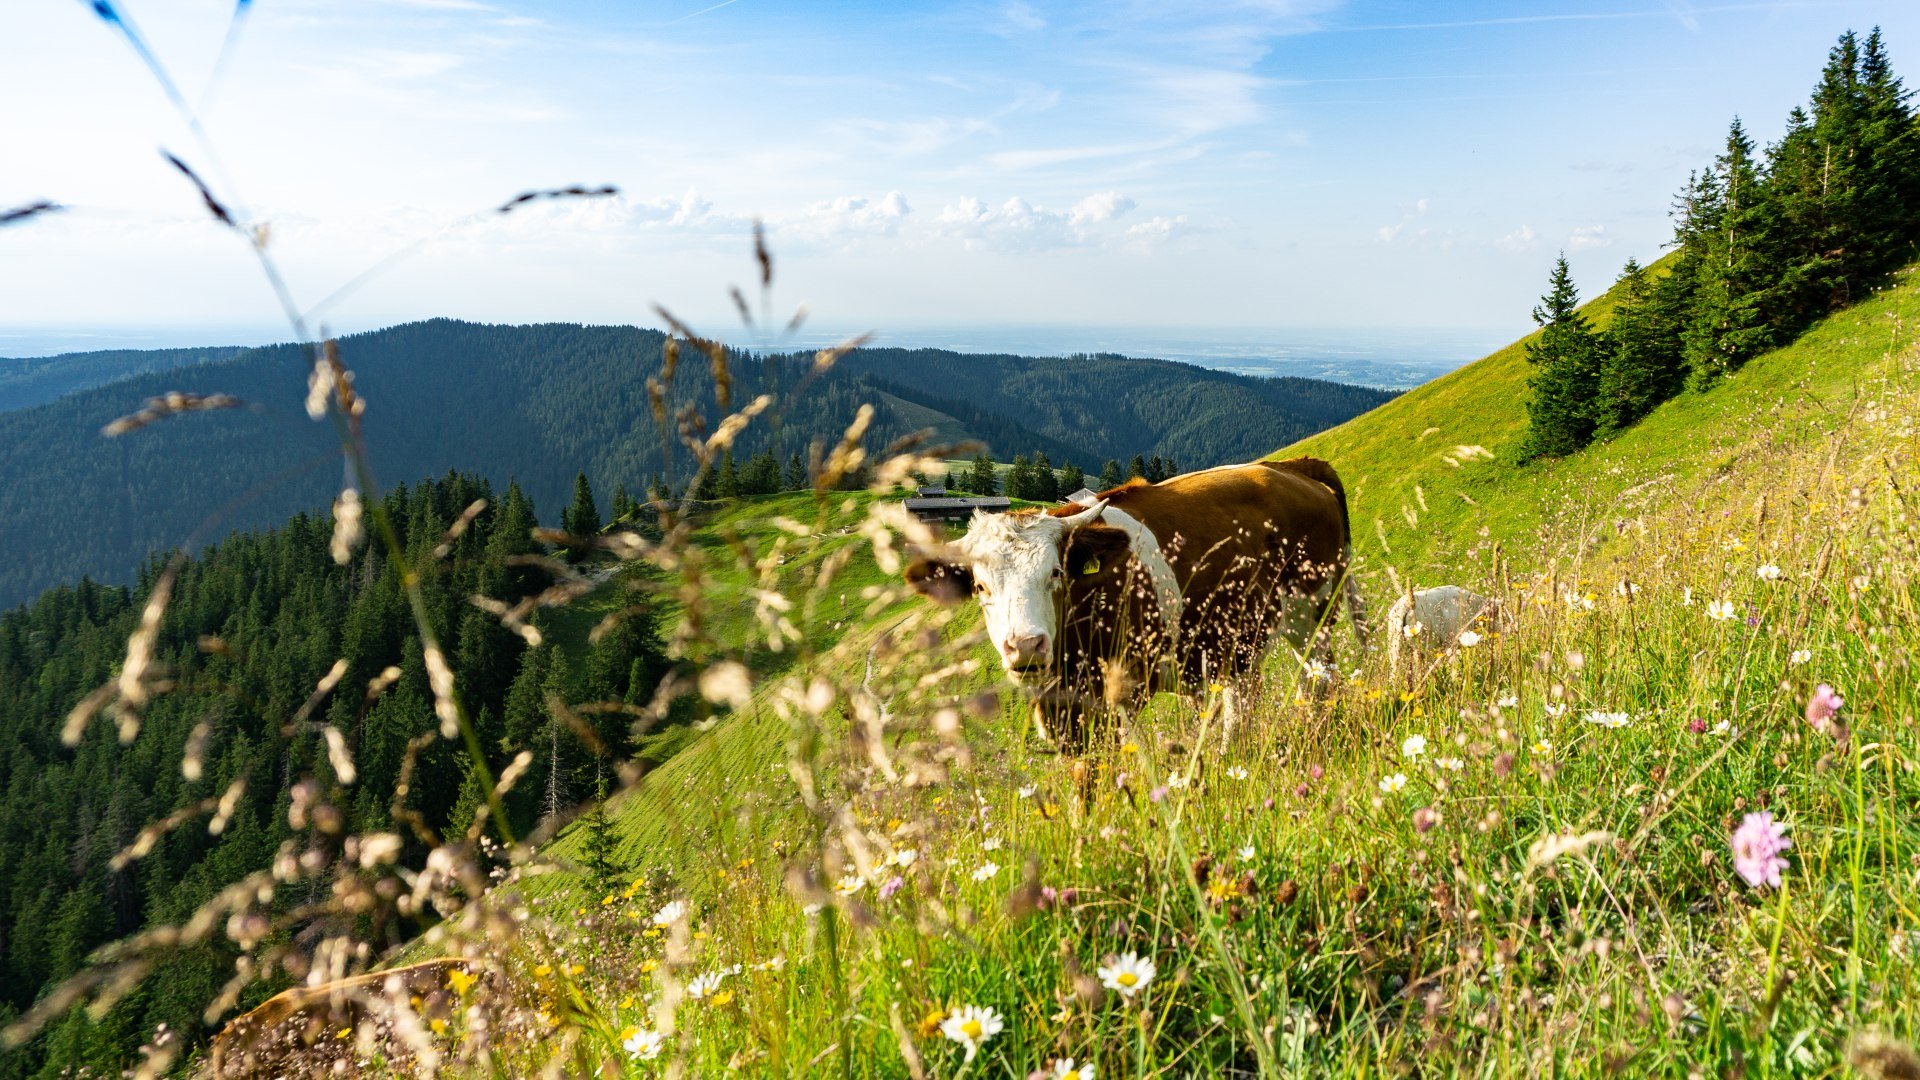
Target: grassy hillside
<point x="1516" y="861"/>
<point x="1428" y="511"/>
<point x="1519" y="858"/>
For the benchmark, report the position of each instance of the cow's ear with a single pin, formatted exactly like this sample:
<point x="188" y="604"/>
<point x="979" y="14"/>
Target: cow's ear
<point x="1095" y="548"/>
<point x="940" y="581"/>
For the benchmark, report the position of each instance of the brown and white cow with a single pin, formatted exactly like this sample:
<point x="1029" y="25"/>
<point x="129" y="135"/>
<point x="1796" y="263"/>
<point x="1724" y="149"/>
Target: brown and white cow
<point x="1180" y="585"/>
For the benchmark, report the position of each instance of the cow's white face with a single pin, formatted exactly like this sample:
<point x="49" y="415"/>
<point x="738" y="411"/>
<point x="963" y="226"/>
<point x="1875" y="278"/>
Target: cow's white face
<point x="1014" y="566"/>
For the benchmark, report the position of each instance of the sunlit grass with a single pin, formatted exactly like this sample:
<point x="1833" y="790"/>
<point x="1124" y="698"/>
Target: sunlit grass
<point x="1550" y="890"/>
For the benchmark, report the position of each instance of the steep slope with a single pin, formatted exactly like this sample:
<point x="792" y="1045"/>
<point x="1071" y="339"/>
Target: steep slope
<point x="1428" y="510"/>
<point x="1389" y="866"/>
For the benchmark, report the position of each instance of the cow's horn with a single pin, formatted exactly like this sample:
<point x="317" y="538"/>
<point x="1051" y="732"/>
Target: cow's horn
<point x="1085" y="517"/>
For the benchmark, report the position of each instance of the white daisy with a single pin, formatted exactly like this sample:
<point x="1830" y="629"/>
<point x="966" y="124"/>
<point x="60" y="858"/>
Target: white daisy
<point x="1468" y="639"/>
<point x="1608" y="719"/>
<point x="1246" y="853"/>
<point x="705" y="986"/>
<point x="644" y="1044"/>
<point x="1129" y="974"/>
<point x="971" y="1026"/>
<point x="1720" y="610"/>
<point x="851" y="884"/>
<point x="1238" y="772"/>
<point x="1065" y="1069"/>
<point x="904" y="857"/>
<point x="985" y="871"/>
<point x="1543" y="747"/>
<point x="1511" y="701"/>
<point x="1413" y="746"/>
<point x="1451" y="764"/>
<point x="991" y="843"/>
<point x="1391" y="784"/>
<point x="1768" y="572"/>
<point x="1555" y="709"/>
<point x="670" y="914"/>
<point x="1800" y="656"/>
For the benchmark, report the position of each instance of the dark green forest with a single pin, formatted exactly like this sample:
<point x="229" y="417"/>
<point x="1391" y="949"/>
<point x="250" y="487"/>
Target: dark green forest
<point x="537" y="404"/>
<point x="1765" y="243"/>
<point x="36" y="380"/>
<point x="1102" y="406"/>
<point x="255" y="622"/>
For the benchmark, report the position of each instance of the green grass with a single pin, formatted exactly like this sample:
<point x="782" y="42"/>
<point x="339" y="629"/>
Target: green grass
<point x="1303" y="920"/>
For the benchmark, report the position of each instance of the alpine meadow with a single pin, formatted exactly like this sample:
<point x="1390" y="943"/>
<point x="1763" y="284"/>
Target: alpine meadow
<point x="679" y="716"/>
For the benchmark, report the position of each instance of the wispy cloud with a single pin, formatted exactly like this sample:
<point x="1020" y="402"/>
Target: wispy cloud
<point x="1589" y="236"/>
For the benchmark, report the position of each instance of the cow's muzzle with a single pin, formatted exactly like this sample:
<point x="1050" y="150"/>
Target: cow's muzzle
<point x="1026" y="653"/>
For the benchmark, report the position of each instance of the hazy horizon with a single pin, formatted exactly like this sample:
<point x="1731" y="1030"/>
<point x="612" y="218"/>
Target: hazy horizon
<point x="1390" y="358"/>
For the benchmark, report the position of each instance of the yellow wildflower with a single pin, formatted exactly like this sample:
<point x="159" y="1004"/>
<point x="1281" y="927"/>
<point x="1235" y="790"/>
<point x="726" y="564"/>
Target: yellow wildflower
<point x="929" y="1025"/>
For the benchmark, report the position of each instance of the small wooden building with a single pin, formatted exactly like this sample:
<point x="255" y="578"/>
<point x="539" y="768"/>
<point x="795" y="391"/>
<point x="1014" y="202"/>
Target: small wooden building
<point x="936" y="504"/>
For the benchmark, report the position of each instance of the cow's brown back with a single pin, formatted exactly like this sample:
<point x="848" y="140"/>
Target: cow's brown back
<point x="1243" y="541"/>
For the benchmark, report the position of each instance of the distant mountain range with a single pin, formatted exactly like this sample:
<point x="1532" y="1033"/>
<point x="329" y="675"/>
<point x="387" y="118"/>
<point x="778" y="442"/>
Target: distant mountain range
<point x="40" y="379"/>
<point x="537" y="404"/>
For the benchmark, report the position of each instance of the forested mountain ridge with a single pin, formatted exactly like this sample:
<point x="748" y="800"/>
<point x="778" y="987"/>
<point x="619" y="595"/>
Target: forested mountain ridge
<point x="35" y="380"/>
<point x="1118" y="406"/>
<point x="538" y="404"/>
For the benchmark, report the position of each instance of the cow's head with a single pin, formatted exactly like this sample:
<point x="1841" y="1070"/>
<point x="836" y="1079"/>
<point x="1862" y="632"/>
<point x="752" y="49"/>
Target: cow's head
<point x="1012" y="563"/>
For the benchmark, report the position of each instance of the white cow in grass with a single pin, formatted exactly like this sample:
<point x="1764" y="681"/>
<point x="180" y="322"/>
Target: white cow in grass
<point x="1431" y="620"/>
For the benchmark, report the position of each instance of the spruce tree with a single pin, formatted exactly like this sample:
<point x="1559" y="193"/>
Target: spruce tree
<point x="708" y="487"/>
<point x="982" y="480"/>
<point x="582" y="518"/>
<point x="1137" y="467"/>
<point x="1046" y="484"/>
<point x="1072" y="479"/>
<point x="600" y="844"/>
<point x="1640" y="363"/>
<point x="796" y="474"/>
<point x="1110" y="475"/>
<point x="1020" y="478"/>
<point x="1726" y="327"/>
<point x="1565" y="359"/>
<point x="729" y="482"/>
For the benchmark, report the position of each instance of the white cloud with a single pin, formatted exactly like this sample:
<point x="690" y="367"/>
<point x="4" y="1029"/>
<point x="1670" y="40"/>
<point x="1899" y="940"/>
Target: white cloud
<point x="848" y="216"/>
<point x="1589" y="236"/>
<point x="1158" y="229"/>
<point x="1520" y="239"/>
<point x="1017" y="223"/>
<point x="1020" y="16"/>
<point x="1389" y="233"/>
<point x="1098" y="208"/>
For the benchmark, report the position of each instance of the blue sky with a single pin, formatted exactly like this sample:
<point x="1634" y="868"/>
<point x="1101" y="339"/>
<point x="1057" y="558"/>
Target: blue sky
<point x="1266" y="164"/>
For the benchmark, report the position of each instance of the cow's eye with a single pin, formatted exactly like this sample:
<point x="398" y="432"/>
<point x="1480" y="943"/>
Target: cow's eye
<point x="1058" y="573"/>
<point x="979" y="588"/>
<point x="1091" y="566"/>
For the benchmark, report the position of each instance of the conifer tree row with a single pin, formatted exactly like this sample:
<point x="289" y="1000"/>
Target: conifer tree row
<point x="1766" y="243"/>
